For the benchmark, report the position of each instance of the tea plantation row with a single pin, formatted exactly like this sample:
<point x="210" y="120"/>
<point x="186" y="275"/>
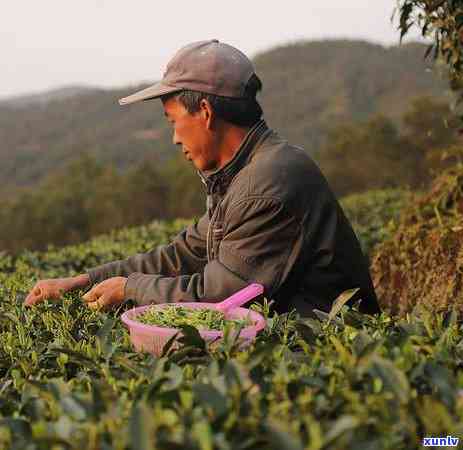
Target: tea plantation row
<point x="69" y="378"/>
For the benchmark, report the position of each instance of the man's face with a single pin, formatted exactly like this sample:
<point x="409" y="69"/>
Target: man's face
<point x="192" y="132"/>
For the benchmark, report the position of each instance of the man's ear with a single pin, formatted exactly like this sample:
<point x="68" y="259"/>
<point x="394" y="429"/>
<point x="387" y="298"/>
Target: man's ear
<point x="207" y="113"/>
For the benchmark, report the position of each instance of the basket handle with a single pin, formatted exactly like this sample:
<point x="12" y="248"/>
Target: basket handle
<point x="240" y="298"/>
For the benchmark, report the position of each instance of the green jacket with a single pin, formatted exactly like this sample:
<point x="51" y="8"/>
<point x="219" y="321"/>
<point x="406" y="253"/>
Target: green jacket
<point x="272" y="219"/>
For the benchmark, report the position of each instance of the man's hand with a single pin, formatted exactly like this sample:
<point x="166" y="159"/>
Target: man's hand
<point x="53" y="289"/>
<point x="108" y="293"/>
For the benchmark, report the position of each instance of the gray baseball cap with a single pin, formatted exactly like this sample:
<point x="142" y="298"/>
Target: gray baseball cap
<point x="206" y="66"/>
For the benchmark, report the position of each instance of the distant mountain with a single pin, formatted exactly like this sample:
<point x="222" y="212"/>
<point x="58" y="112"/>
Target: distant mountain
<point x="43" y="98"/>
<point x="308" y="87"/>
<point x="311" y="86"/>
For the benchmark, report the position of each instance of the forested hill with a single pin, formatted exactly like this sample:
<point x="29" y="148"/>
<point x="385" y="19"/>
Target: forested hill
<point x="308" y="87"/>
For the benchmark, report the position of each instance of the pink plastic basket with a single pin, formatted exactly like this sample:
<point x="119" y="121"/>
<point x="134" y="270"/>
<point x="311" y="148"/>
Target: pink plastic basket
<point x="151" y="339"/>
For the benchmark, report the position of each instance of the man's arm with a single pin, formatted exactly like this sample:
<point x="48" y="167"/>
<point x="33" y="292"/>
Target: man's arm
<point x="261" y="244"/>
<point x="185" y="254"/>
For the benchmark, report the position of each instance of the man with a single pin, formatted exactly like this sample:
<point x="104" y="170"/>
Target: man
<point x="271" y="217"/>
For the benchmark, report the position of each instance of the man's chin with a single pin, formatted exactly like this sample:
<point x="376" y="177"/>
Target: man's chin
<point x="189" y="160"/>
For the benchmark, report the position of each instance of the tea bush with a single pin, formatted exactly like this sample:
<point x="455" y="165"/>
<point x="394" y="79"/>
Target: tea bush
<point x="373" y="214"/>
<point x="69" y="378"/>
<point x="73" y="259"/>
<point x="422" y="261"/>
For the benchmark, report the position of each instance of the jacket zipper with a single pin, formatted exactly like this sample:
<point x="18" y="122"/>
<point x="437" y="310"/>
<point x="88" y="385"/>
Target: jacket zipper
<point x="209" y="247"/>
<point x="207" y="242"/>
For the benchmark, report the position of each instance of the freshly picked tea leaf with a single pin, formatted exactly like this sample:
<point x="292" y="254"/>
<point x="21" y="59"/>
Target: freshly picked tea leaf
<point x="173" y="316"/>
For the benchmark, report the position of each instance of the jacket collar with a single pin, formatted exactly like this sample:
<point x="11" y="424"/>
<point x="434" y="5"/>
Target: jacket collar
<point x="221" y="178"/>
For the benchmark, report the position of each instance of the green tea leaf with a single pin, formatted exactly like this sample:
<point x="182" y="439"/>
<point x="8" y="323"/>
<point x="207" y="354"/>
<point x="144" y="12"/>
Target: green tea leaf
<point x="340" y="426"/>
<point x="278" y="438"/>
<point x="342" y="299"/>
<point x="393" y="378"/>
<point x="306" y="333"/>
<point x="203" y="434"/>
<point x="141" y="428"/>
<point x="210" y="398"/>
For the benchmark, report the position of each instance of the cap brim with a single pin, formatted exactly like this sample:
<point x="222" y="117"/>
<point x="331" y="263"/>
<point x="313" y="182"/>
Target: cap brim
<point x="155" y="91"/>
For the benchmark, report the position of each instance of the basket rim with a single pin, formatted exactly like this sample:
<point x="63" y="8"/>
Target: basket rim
<point x="259" y="322"/>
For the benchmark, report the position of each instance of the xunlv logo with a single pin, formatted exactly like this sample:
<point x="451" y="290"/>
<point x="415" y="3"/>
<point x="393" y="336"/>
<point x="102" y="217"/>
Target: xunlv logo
<point x="448" y="441"/>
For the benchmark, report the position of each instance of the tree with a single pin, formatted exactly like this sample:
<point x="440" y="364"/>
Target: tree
<point x="371" y="155"/>
<point x="441" y="21"/>
<point x="430" y="126"/>
<point x="427" y="123"/>
<point x="145" y="194"/>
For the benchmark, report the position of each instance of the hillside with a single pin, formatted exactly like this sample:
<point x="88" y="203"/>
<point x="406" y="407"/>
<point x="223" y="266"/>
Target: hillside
<point x="21" y="101"/>
<point x="308" y="87"/>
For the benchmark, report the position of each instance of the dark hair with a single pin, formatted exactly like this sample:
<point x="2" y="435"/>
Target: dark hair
<point x="244" y="112"/>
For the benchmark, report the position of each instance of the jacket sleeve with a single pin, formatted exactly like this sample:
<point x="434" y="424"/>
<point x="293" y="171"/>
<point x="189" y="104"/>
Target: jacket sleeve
<point x="186" y="254"/>
<point x="261" y="243"/>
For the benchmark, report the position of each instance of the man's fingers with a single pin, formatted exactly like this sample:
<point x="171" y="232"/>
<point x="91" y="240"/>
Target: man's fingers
<point x="89" y="297"/>
<point x="100" y="302"/>
<point x="45" y="290"/>
<point x="35" y="295"/>
<point x="32" y="299"/>
<point x="94" y="305"/>
<point x="93" y="294"/>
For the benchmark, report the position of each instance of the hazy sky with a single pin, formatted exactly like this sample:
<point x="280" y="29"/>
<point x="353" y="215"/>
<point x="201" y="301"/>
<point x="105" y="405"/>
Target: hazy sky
<point x="52" y="43"/>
